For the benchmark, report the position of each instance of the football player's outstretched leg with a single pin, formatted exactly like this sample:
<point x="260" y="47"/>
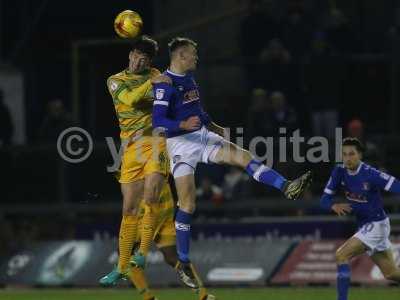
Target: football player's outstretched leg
<point x="192" y="138"/>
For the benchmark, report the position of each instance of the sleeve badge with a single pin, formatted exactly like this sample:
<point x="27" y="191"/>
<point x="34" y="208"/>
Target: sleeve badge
<point x="160" y="94"/>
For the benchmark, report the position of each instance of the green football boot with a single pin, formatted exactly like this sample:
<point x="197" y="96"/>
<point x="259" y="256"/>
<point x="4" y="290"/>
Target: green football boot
<point x="138" y="260"/>
<point x="293" y="190"/>
<point x="112" y="278"/>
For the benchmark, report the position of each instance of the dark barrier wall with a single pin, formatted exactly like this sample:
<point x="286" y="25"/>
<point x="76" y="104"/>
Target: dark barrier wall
<point x="314" y="263"/>
<point x="219" y="262"/>
<point x="299" y="229"/>
<point x="82" y="263"/>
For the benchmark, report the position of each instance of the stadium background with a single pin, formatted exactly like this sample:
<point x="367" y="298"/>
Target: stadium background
<point x="298" y="64"/>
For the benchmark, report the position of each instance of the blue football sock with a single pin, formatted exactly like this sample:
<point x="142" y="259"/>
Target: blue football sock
<point x="263" y="174"/>
<point x="182" y="227"/>
<point x="343" y="281"/>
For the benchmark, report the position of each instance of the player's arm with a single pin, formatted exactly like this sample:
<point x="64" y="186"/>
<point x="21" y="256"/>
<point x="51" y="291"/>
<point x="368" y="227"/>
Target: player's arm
<point x="330" y="190"/>
<point x="385" y="181"/>
<point x="212" y="126"/>
<point x="331" y="187"/>
<point x="127" y="95"/>
<point x="163" y="96"/>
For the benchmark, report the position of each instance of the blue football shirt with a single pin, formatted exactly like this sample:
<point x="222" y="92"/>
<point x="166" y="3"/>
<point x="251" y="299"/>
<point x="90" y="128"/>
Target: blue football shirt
<point x="177" y="102"/>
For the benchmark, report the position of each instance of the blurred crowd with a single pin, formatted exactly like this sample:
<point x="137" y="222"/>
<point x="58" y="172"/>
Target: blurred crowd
<point x="293" y="64"/>
<point x="20" y="231"/>
<point x="56" y="119"/>
<point x="6" y="124"/>
<point x="297" y="55"/>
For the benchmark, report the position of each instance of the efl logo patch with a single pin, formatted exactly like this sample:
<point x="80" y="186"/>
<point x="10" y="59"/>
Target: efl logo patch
<point x="113" y="86"/>
<point x="160" y="93"/>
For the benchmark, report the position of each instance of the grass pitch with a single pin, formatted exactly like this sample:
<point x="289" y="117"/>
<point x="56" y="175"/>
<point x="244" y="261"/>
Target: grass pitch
<point x="385" y="293"/>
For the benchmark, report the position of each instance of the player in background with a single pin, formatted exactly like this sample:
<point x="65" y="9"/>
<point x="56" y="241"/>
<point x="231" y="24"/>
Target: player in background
<point x="192" y="138"/>
<point x="144" y="164"/>
<point x="362" y="187"/>
<point x="165" y="240"/>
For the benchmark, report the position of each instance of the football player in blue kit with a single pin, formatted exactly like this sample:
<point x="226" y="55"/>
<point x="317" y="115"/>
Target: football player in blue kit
<point x="362" y="186"/>
<point x="192" y="137"/>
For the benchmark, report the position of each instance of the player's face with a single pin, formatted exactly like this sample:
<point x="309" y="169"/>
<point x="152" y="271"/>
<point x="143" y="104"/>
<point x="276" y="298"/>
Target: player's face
<point x="351" y="157"/>
<point x="138" y="61"/>
<point x="190" y="58"/>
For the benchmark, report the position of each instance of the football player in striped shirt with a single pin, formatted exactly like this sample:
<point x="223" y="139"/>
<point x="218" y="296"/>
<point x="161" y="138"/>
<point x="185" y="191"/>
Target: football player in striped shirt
<point x="144" y="164"/>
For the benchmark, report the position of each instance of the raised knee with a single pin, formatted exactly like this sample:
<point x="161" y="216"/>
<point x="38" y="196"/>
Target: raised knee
<point x="188" y="206"/>
<point x="152" y="192"/>
<point x="170" y="259"/>
<point x="151" y="198"/>
<point x="149" y="195"/>
<point x="129" y="208"/>
<point x="187" y="202"/>
<point x="242" y="158"/>
<point x="341" y="258"/>
<point x="390" y="275"/>
<point x="128" y="211"/>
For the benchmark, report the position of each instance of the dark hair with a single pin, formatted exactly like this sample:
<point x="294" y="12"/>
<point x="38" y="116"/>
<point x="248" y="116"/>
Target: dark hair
<point x="146" y="45"/>
<point x="179" y="42"/>
<point x="350" y="141"/>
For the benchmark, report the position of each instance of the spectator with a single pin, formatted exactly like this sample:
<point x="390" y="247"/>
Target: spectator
<point x="257" y="20"/>
<point x="339" y="34"/>
<point x="275" y="52"/>
<point x="323" y="84"/>
<point x="278" y="72"/>
<point x="6" y="125"/>
<point x="208" y="191"/>
<point x="393" y="40"/>
<point x="355" y="128"/>
<point x="57" y="120"/>
<point x="259" y="109"/>
<point x="27" y="232"/>
<point x="7" y="238"/>
<point x="237" y="185"/>
<point x="297" y="29"/>
<point x="282" y="115"/>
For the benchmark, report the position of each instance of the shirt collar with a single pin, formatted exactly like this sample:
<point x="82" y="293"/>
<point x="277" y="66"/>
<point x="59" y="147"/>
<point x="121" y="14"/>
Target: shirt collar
<point x="353" y="173"/>
<point x="175" y="74"/>
<point x="144" y="72"/>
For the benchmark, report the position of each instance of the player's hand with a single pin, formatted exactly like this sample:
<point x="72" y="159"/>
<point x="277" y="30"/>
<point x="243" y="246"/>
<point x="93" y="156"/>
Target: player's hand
<point x="341" y="209"/>
<point x="160" y="79"/>
<point x="193" y="123"/>
<point x="221" y="131"/>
